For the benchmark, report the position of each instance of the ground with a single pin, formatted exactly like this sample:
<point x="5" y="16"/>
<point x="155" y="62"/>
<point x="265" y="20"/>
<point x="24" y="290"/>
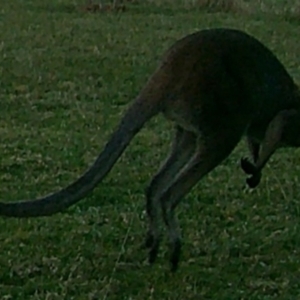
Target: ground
<point x="66" y="78"/>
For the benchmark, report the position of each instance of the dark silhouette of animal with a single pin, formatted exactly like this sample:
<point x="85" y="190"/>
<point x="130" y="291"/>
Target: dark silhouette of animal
<point x="216" y="86"/>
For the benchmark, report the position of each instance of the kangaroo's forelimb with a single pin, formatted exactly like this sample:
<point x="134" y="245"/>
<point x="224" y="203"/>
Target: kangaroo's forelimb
<point x="271" y="142"/>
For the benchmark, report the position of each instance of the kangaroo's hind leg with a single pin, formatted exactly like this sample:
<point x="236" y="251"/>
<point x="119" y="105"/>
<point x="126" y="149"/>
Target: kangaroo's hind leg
<point x="210" y="152"/>
<point x="182" y="150"/>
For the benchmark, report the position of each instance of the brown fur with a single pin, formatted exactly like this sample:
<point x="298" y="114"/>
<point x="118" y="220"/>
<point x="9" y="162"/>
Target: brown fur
<point x="216" y="86"/>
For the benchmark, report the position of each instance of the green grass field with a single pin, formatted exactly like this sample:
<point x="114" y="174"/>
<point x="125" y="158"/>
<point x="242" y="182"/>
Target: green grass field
<point x="66" y="79"/>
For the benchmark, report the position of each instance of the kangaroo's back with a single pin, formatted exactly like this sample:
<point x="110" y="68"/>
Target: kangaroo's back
<point x="222" y="71"/>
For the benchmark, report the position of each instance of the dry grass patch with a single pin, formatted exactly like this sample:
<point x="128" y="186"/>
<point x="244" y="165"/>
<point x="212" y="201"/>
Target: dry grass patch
<point x="295" y="12"/>
<point x="221" y="5"/>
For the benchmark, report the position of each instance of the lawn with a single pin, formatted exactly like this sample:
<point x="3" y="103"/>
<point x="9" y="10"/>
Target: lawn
<point x="66" y="78"/>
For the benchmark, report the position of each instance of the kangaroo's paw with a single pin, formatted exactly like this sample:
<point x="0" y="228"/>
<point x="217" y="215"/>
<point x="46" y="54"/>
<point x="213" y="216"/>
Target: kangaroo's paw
<point x="175" y="254"/>
<point x="149" y="240"/>
<point x="248" y="167"/>
<point x="153" y="251"/>
<point x="254" y="180"/>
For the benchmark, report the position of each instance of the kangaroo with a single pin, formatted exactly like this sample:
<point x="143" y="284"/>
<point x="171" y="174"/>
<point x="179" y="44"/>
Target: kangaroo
<point x="216" y="86"/>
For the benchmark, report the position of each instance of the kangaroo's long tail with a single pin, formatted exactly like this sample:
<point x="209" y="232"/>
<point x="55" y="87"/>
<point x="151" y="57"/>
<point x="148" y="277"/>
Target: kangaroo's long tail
<point x="134" y="119"/>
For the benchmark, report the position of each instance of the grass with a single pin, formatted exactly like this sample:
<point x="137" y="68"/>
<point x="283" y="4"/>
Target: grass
<point x="220" y="5"/>
<point x="66" y="78"/>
